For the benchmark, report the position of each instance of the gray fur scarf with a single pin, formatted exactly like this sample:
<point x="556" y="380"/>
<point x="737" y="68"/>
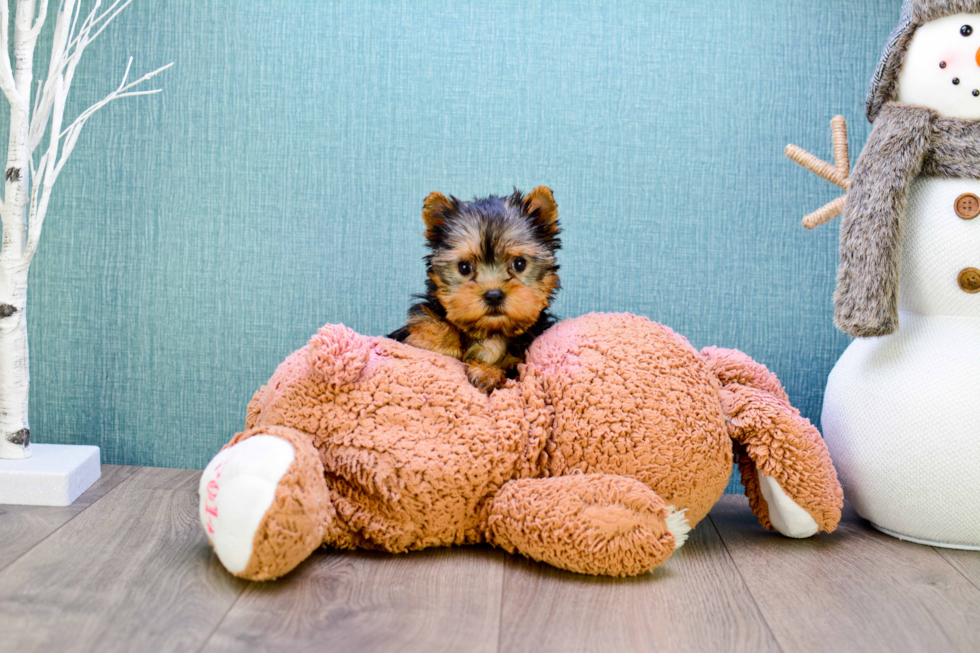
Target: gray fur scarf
<point x="907" y="141"/>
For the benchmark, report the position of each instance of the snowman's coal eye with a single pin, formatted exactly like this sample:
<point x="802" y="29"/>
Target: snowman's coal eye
<point x="956" y="81"/>
<point x="942" y="64"/>
<point x="966" y="30"/>
<point x="976" y="93"/>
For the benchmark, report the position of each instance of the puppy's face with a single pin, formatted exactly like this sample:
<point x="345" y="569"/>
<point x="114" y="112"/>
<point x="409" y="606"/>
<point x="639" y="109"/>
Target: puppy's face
<point x="492" y="261"/>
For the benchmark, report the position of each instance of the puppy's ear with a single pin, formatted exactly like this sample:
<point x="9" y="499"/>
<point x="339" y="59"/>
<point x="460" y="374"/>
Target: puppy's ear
<point x="434" y="212"/>
<point x="540" y="205"/>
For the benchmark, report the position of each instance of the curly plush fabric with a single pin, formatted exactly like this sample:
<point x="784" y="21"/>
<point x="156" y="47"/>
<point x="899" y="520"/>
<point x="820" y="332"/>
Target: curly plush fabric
<point x="610" y="445"/>
<point x="627" y="387"/>
<point x="597" y="523"/>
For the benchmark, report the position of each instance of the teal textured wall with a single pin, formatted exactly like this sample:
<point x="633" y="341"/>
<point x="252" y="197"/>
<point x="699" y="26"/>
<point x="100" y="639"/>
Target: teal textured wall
<point x="199" y="236"/>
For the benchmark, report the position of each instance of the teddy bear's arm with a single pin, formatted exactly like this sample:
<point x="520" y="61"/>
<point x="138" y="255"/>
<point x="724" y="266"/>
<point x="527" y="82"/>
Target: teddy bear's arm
<point x="586" y="523"/>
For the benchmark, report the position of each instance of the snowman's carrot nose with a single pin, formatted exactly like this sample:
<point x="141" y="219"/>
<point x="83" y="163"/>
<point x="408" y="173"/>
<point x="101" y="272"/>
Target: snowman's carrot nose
<point x="978" y="57"/>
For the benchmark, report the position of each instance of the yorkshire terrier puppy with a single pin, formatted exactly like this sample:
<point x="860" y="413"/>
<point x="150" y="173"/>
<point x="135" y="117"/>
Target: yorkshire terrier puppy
<point x="491" y="277"/>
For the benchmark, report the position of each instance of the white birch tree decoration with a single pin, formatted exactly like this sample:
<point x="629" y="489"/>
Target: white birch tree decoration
<point x="28" y="181"/>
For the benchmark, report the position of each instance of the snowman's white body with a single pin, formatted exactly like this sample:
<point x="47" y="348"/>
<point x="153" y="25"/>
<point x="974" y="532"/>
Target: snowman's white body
<point x="901" y="412"/>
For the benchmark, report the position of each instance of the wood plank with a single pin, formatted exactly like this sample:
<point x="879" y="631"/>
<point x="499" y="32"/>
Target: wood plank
<point x="132" y="572"/>
<point x="163" y="478"/>
<point x="434" y="600"/>
<point x="965" y="562"/>
<point x="694" y="602"/>
<point x="853" y="590"/>
<point x="21" y="527"/>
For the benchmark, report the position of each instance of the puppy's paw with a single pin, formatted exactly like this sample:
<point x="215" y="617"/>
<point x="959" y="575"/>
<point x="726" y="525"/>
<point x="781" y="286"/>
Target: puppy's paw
<point x="486" y="377"/>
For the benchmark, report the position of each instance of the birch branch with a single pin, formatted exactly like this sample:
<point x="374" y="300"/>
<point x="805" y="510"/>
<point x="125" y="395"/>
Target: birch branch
<point x="66" y="52"/>
<point x="69" y="43"/>
<point x="96" y="21"/>
<point x="42" y="13"/>
<point x="45" y="177"/>
<point x="52" y="163"/>
<point x="44" y="100"/>
<point x="73" y="130"/>
<point x="6" y="72"/>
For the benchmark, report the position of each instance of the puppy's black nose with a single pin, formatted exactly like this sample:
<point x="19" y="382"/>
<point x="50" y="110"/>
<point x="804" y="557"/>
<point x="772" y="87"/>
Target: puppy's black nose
<point x="494" y="297"/>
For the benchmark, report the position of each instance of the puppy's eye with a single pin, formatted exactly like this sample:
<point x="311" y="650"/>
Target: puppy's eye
<point x="966" y="30"/>
<point x="520" y="264"/>
<point x="465" y="268"/>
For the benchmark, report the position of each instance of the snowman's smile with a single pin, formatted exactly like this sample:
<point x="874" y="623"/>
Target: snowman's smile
<point x="957" y="81"/>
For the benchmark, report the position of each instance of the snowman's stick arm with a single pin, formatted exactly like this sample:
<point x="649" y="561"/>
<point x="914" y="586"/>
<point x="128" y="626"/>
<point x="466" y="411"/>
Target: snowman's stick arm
<point x="842" y="155"/>
<point x="839" y="173"/>
<point x="816" y="166"/>
<point x="826" y="214"/>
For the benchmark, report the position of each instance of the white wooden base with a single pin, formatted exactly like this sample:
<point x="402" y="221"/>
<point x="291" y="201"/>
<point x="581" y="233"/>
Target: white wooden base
<point x="54" y="475"/>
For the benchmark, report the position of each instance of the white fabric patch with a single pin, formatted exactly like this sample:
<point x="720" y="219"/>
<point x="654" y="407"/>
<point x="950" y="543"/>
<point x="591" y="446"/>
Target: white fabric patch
<point x="236" y="490"/>
<point x="678" y="526"/>
<point x="924" y="82"/>
<point x="786" y="515"/>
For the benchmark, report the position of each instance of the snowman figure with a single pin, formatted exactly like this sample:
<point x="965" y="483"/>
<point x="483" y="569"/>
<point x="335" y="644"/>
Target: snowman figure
<point x="901" y="412"/>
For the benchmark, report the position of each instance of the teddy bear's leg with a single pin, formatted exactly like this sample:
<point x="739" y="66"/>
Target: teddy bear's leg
<point x="587" y="523"/>
<point x="264" y="502"/>
<point x="786" y="469"/>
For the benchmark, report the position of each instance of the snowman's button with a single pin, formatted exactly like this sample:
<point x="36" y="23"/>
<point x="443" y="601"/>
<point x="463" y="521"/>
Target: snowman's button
<point x="967" y="206"/>
<point x="969" y="280"/>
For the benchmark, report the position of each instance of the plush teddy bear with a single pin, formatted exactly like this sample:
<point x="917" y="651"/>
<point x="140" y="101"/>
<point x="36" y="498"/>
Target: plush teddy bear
<point x="615" y="441"/>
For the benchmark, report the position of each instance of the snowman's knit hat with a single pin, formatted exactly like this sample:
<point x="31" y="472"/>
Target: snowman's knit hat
<point x="915" y="13"/>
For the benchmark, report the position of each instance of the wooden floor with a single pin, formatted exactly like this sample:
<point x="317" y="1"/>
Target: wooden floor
<point x="127" y="568"/>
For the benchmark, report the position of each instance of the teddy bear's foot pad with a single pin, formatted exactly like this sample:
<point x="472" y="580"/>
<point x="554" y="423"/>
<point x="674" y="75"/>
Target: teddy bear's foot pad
<point x="237" y="488"/>
<point x="786" y="515"/>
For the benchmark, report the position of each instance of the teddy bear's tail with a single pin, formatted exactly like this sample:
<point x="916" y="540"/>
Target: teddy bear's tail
<point x="781" y="455"/>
